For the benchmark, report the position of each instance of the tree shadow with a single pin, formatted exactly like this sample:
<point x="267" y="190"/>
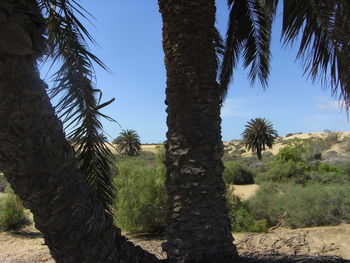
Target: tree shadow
<point x="26" y="234"/>
<point x="254" y="258"/>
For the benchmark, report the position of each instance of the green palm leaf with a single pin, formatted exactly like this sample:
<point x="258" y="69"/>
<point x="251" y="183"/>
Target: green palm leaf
<point x="249" y="35"/>
<point x="79" y="102"/>
<point x="323" y="28"/>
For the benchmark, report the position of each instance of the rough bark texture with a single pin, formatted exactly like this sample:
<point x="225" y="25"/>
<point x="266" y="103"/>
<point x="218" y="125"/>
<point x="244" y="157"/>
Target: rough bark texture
<point x="198" y="227"/>
<point x="38" y="161"/>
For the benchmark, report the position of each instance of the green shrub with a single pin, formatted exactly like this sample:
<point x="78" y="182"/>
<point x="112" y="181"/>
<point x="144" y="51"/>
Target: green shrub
<point x="243" y="221"/>
<point x="141" y="195"/>
<point x="292" y="152"/>
<point x="241" y="218"/>
<point x="325" y="173"/>
<point x="257" y="167"/>
<point x="344" y="166"/>
<point x="312" y="205"/>
<point x="236" y="173"/>
<point x="285" y="172"/>
<point x="328" y="168"/>
<point x="328" y="178"/>
<point x="12" y="214"/>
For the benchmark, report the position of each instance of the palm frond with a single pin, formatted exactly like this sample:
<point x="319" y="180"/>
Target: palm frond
<point x="249" y="35"/>
<point x="219" y="46"/>
<point x="324" y="29"/>
<point x="79" y="102"/>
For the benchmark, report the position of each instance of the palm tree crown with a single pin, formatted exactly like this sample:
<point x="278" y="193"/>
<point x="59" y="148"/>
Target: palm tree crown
<point x="129" y="142"/>
<point x="258" y="134"/>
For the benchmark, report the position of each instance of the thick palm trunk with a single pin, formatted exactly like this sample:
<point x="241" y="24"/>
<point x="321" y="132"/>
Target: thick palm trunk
<point x="198" y="227"/>
<point x="38" y="161"/>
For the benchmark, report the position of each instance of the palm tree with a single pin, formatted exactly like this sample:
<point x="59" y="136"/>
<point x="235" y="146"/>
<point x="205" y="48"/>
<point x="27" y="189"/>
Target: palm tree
<point x="198" y="227"/>
<point x="68" y="191"/>
<point x="197" y="223"/>
<point x="258" y="134"/>
<point x="129" y="142"/>
<point x="59" y="185"/>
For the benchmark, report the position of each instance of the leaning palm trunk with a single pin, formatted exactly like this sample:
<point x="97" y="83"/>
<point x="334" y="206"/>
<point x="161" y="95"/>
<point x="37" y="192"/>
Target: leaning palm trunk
<point x="198" y="226"/>
<point x="39" y="162"/>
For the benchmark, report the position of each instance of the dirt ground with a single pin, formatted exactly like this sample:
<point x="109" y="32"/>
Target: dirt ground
<point x="27" y="245"/>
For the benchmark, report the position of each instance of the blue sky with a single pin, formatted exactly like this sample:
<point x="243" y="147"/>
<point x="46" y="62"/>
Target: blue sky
<point x="128" y="34"/>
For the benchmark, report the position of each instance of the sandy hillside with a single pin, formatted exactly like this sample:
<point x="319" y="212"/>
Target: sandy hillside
<point x="279" y="145"/>
<point x="151" y="147"/>
<point x="338" y="147"/>
<point x="144" y="147"/>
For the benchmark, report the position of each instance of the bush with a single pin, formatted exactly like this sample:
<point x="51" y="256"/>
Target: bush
<point x="257" y="167"/>
<point x="292" y="152"/>
<point x="12" y="214"/>
<point x="344" y="166"/>
<point x="243" y="221"/>
<point x="285" y="172"/>
<point x="236" y="173"/>
<point x="328" y="178"/>
<point x="312" y="205"/>
<point x="241" y="218"/>
<point x="141" y="195"/>
<point x="328" y="168"/>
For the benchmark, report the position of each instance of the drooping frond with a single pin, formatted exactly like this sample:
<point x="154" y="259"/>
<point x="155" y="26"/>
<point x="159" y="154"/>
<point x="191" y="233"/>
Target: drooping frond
<point x="219" y="46"/>
<point x="79" y="102"/>
<point x="249" y="35"/>
<point x="324" y="29"/>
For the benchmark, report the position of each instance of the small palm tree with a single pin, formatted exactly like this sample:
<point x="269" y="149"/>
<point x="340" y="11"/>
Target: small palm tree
<point x="129" y="142"/>
<point x="258" y="134"/>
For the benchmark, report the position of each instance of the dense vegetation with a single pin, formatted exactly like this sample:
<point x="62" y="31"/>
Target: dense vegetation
<point x="301" y="186"/>
<point x="141" y="193"/>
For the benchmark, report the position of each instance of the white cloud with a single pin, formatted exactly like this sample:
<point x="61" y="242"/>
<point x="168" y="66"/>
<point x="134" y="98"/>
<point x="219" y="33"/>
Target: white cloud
<point x="238" y="107"/>
<point x="326" y="104"/>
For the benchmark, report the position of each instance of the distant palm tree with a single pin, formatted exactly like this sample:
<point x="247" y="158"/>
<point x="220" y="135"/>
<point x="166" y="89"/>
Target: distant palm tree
<point x="258" y="134"/>
<point x="129" y="142"/>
